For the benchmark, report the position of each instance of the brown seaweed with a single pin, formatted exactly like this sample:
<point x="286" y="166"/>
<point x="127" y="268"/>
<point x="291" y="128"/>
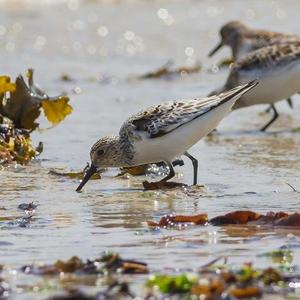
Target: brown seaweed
<point x="165" y="71"/>
<point x="108" y="263"/>
<point x="280" y="219"/>
<point x="20" y="106"/>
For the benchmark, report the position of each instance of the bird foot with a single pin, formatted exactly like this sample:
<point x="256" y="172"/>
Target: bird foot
<point x="162" y="185"/>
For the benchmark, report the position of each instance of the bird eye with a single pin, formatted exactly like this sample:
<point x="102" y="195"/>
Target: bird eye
<point x="100" y="152"/>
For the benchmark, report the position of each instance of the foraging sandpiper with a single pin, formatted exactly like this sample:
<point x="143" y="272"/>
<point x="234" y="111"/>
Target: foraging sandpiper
<point x="163" y="132"/>
<point x="277" y="68"/>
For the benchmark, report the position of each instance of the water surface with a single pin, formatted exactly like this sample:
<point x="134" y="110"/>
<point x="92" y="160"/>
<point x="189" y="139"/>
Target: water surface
<point x="101" y="45"/>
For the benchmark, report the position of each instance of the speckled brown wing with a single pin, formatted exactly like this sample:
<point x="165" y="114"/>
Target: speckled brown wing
<point x="161" y="119"/>
<point x="269" y="56"/>
<point x="262" y="38"/>
<point x="265" y="58"/>
<point x="261" y="41"/>
<point x="164" y="118"/>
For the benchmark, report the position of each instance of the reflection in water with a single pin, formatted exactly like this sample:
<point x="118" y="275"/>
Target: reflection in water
<point x="63" y="220"/>
<point x="276" y="152"/>
<point x="273" y="151"/>
<point x="132" y="209"/>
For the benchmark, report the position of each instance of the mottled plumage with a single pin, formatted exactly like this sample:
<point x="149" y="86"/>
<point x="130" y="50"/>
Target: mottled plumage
<point x="277" y="68"/>
<point x="163" y="132"/>
<point x="270" y="57"/>
<point x="242" y="39"/>
<point x="161" y="119"/>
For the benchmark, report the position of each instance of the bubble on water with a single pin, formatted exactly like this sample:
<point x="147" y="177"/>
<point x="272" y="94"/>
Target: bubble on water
<point x="77" y="90"/>
<point x="215" y="68"/>
<point x="130" y="44"/>
<point x="10" y="46"/>
<point x="102" y="31"/>
<point x="3" y="30"/>
<point x="17" y="27"/>
<point x="129" y="35"/>
<point x="162" y="13"/>
<point x="40" y="42"/>
<point x="165" y="16"/>
<point x="189" y="51"/>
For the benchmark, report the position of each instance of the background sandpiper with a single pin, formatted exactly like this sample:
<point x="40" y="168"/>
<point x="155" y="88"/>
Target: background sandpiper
<point x="276" y="67"/>
<point x="242" y="40"/>
<point x="163" y="132"/>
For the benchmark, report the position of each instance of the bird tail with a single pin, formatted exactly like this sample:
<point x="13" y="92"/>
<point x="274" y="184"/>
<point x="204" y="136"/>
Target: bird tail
<point x="237" y="92"/>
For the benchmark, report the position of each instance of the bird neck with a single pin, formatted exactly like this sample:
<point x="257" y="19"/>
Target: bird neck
<point x="115" y="153"/>
<point x="121" y="152"/>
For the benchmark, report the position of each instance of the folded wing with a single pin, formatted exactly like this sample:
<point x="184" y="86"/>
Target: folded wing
<point x="164" y="118"/>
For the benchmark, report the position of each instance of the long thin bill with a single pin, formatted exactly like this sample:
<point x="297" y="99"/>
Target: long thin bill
<point x="89" y="173"/>
<point x="216" y="49"/>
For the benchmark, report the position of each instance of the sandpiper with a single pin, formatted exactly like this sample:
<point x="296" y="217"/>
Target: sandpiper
<point x="242" y="40"/>
<point x="277" y="68"/>
<point x="163" y="132"/>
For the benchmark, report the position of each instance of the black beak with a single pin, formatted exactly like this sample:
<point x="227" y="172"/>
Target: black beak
<point x="216" y="49"/>
<point x="89" y="173"/>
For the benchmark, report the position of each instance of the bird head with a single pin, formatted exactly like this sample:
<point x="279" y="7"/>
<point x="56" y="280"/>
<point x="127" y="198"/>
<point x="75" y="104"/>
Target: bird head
<point x="230" y="35"/>
<point x="104" y="153"/>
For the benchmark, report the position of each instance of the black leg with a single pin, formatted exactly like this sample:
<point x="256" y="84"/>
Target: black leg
<point x="195" y="166"/>
<point x="290" y="103"/>
<point x="176" y="162"/>
<point x="275" y="116"/>
<point x="171" y="173"/>
<point x="288" y="100"/>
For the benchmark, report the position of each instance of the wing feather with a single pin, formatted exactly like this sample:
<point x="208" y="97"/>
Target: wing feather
<point x="163" y="118"/>
<point x="270" y="56"/>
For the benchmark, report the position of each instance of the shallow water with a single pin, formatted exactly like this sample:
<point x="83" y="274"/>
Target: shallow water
<point x="100" y="45"/>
